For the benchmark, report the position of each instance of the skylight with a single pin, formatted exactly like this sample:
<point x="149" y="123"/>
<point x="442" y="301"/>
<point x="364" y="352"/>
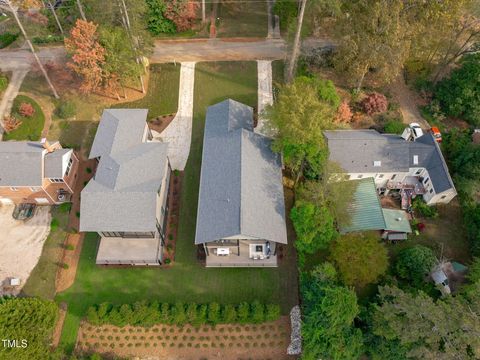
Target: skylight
<point x="377" y="163"/>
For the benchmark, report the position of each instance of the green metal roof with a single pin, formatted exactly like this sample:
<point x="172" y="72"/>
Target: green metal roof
<point x="396" y="220"/>
<point x="365" y="209"/>
<point x="366" y="212"/>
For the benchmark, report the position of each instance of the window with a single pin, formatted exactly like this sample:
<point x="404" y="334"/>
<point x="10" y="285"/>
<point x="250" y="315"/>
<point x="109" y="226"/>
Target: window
<point x="359" y="176"/>
<point x="133" y="234"/>
<point x="431" y="191"/>
<point x="13" y="188"/>
<point x="443" y="197"/>
<point x="69" y="167"/>
<point x="418" y="172"/>
<point x="393" y="176"/>
<point x="380" y="176"/>
<point x="426" y="180"/>
<point x="56" y="180"/>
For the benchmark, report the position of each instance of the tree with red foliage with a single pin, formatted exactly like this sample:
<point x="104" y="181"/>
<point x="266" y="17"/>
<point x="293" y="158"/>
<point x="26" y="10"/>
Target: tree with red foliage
<point x="10" y="123"/>
<point x="26" y="110"/>
<point x="344" y="113"/>
<point x="88" y="56"/>
<point x="375" y="103"/>
<point x="182" y="13"/>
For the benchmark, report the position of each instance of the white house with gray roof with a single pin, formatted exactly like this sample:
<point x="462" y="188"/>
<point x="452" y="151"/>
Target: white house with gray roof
<point x="127" y="200"/>
<point x="241" y="209"/>
<point x="412" y="167"/>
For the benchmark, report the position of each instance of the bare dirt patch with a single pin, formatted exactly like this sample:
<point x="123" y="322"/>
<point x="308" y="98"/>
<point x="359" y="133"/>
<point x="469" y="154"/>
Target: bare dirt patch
<point x="21" y="243"/>
<point x="57" y="332"/>
<point x="71" y="255"/>
<point x="160" y="123"/>
<point x="228" y="342"/>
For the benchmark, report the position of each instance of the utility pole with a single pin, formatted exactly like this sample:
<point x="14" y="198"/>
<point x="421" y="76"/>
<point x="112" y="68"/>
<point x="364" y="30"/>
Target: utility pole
<point x="80" y="8"/>
<point x="296" y="44"/>
<point x="55" y="16"/>
<point x="40" y="65"/>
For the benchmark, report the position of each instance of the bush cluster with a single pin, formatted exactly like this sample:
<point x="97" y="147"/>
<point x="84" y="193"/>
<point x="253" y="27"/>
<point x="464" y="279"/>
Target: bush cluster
<point x="6" y="39"/>
<point x="26" y="109"/>
<point x="375" y="103"/>
<point x="149" y="314"/>
<point x="65" y="110"/>
<point x="420" y="206"/>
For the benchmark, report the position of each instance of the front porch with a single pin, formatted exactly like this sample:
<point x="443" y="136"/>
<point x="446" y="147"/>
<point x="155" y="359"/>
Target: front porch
<point x="239" y="253"/>
<point x="129" y="251"/>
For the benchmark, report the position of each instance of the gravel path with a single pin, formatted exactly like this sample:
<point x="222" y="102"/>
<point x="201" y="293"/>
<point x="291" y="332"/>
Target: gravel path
<point x="178" y="134"/>
<point x="265" y="95"/>
<point x="10" y="94"/>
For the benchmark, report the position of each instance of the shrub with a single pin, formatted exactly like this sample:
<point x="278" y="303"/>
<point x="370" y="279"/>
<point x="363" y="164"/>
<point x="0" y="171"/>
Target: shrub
<point x="26" y="109"/>
<point x="374" y="103"/>
<point x="192" y="313"/>
<point x="243" y="313"/>
<point x="69" y="247"/>
<point x="213" y="313"/>
<point x="272" y="312"/>
<point x="7" y="38"/>
<point x="327" y="92"/>
<point x="54" y="224"/>
<point x="167" y="261"/>
<point x="394" y="127"/>
<point x="202" y="316"/>
<point x="258" y="312"/>
<point x="64" y="266"/>
<point x="11" y="123"/>
<point x="65" y="109"/>
<point x="178" y="313"/>
<point x="3" y="82"/>
<point x="65" y="208"/>
<point x="420" y="206"/>
<point x="344" y="113"/>
<point x="229" y="314"/>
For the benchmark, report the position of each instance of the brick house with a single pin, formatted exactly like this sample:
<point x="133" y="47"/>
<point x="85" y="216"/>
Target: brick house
<point x="36" y="172"/>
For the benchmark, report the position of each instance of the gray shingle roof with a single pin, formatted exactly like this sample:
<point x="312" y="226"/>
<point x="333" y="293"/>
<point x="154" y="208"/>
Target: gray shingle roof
<point x="123" y="194"/>
<point x="54" y="163"/>
<point x="119" y="129"/>
<point x="21" y="163"/>
<point x="357" y="150"/>
<point x="241" y="191"/>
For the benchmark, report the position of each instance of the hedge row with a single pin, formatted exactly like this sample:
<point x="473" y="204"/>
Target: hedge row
<point x="148" y="314"/>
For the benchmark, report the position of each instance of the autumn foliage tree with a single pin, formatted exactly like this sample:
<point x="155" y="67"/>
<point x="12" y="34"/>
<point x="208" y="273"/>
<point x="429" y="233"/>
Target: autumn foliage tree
<point x="11" y="123"/>
<point x="344" y="112"/>
<point x="87" y="55"/>
<point x="375" y="103"/>
<point x="182" y="13"/>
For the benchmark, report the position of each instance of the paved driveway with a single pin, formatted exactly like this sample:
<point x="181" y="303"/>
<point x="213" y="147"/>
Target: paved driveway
<point x="21" y="243"/>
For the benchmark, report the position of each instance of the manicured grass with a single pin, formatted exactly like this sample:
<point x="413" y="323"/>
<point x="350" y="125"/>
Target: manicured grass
<point x="162" y="94"/>
<point x="242" y="19"/>
<point x="41" y="282"/>
<point x="31" y="127"/>
<point x="186" y="280"/>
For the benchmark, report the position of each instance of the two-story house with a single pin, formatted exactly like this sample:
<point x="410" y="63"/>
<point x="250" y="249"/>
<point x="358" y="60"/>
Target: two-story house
<point x="127" y="200"/>
<point x="39" y="173"/>
<point x="411" y="167"/>
<point x="241" y="209"/>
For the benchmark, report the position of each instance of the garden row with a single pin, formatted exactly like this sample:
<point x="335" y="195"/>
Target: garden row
<point x="149" y="314"/>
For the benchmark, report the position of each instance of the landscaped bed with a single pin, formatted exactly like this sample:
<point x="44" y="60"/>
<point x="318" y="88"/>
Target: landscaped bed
<point x="31" y="126"/>
<point x="264" y="341"/>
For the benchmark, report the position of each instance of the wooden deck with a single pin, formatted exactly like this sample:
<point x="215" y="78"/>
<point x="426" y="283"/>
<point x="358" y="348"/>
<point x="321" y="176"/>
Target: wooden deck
<point x="242" y="260"/>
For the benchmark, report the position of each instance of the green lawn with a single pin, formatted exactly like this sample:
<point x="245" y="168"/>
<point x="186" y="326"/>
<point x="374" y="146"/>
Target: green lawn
<point x="42" y="279"/>
<point x="31" y="127"/>
<point x="242" y="19"/>
<point x="187" y="280"/>
<point x="162" y="95"/>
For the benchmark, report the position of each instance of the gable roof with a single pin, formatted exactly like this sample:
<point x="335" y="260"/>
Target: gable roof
<point x="21" y="163"/>
<point x="358" y="151"/>
<point x="241" y="190"/>
<point x="119" y="130"/>
<point x="366" y="212"/>
<point x="123" y="194"/>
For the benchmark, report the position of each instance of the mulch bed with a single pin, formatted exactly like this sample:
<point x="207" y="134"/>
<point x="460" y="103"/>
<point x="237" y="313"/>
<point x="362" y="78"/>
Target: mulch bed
<point x="57" y="332"/>
<point x="66" y="276"/>
<point x="160" y="123"/>
<point x="173" y="215"/>
<point x="228" y="342"/>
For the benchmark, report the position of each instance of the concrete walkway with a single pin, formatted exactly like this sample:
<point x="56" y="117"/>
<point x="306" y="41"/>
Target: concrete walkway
<point x="265" y="94"/>
<point x="10" y="94"/>
<point x="178" y="133"/>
